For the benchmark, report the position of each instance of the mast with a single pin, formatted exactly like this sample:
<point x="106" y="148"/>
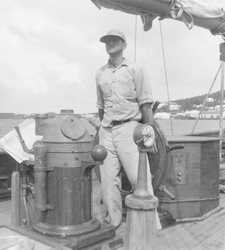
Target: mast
<point x="222" y="59"/>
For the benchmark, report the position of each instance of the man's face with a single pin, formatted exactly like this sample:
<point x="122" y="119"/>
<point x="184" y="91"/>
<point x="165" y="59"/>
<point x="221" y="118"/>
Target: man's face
<point x="114" y="45"/>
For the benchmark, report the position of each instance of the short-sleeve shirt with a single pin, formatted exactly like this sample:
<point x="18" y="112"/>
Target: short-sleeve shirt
<point x="121" y="91"/>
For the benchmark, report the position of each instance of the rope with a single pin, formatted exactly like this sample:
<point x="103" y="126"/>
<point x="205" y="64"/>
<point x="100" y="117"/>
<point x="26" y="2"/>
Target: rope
<point x="164" y="61"/>
<point x="175" y="10"/>
<point x="166" y="14"/>
<point x="206" y="98"/>
<point x="135" y="39"/>
<point x="220" y="30"/>
<point x="221" y="104"/>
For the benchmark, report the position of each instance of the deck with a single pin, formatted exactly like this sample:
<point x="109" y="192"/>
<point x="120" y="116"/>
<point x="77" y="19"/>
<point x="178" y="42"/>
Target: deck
<point x="206" y="234"/>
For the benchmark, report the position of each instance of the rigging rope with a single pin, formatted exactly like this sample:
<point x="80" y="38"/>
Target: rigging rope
<point x="164" y="61"/>
<point x="203" y="105"/>
<point x="221" y="107"/>
<point x="135" y="38"/>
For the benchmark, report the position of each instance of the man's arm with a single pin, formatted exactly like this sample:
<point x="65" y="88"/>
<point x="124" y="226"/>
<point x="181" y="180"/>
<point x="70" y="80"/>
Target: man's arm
<point x="100" y="100"/>
<point x="147" y="113"/>
<point x="101" y="114"/>
<point x="147" y="117"/>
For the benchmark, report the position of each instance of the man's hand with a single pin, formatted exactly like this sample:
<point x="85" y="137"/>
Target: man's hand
<point x="153" y="149"/>
<point x="147" y="117"/>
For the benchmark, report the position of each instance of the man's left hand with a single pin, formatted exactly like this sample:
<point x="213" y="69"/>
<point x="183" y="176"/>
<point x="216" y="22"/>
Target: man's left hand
<point x="153" y="149"/>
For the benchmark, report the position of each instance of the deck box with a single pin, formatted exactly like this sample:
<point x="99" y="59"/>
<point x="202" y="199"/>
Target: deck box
<point x="193" y="177"/>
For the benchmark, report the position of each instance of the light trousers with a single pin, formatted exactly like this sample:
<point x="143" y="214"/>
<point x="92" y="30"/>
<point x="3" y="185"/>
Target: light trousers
<point x="122" y="151"/>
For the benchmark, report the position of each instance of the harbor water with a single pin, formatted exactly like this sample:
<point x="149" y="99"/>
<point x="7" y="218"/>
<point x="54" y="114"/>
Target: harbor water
<point x="170" y="127"/>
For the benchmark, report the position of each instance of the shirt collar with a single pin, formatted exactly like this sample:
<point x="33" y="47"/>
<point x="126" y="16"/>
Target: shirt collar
<point x="124" y="63"/>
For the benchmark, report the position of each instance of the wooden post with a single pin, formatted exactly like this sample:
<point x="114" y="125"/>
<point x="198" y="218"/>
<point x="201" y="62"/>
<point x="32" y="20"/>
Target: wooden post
<point x="141" y="232"/>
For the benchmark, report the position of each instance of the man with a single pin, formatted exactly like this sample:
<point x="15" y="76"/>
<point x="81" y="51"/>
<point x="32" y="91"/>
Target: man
<point x="124" y="97"/>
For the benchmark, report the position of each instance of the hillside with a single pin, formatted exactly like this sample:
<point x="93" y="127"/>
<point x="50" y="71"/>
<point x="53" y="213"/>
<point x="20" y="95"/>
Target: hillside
<point x="191" y="103"/>
<point x="185" y="104"/>
<point x="196" y="102"/>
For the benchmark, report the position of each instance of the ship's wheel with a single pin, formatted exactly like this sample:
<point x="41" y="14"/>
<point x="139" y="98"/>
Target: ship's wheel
<point x="159" y="163"/>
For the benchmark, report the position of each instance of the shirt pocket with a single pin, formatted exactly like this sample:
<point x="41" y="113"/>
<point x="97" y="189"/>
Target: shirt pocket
<point x="125" y="89"/>
<point x="106" y="89"/>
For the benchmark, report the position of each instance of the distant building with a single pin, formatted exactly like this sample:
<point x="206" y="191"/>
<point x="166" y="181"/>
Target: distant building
<point x="217" y="107"/>
<point x="89" y="115"/>
<point x="211" y="115"/>
<point x="162" y="104"/>
<point x="174" y="106"/>
<point x="210" y="99"/>
<point x="162" y="115"/>
<point x="192" y="113"/>
<point x="197" y="106"/>
<point x="180" y="114"/>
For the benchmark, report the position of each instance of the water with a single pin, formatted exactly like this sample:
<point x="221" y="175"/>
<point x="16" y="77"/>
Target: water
<point x="6" y="125"/>
<point x="178" y="127"/>
<point x="184" y="127"/>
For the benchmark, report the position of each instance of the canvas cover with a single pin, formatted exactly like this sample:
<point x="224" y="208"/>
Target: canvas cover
<point x="11" y="142"/>
<point x="213" y="11"/>
<point x="204" y="8"/>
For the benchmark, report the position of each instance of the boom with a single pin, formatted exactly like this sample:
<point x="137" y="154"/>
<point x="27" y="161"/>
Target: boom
<point x="204" y="14"/>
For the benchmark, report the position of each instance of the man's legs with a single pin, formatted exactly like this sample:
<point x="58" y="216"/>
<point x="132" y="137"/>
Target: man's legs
<point x="110" y="181"/>
<point x="129" y="156"/>
<point x="121" y="148"/>
<point x="128" y="152"/>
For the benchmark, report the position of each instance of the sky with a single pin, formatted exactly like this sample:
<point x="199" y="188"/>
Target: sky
<point x="50" y="52"/>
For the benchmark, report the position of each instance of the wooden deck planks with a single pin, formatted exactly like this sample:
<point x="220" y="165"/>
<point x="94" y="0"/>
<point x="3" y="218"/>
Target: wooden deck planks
<point x="209" y="231"/>
<point x="197" y="233"/>
<point x="213" y="242"/>
<point x="207" y="234"/>
<point x="194" y="235"/>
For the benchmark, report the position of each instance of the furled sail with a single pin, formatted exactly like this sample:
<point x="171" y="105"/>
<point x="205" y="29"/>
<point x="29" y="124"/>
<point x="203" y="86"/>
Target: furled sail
<point x="208" y="14"/>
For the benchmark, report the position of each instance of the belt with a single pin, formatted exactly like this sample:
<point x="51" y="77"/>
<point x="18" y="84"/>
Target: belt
<point x="115" y="123"/>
